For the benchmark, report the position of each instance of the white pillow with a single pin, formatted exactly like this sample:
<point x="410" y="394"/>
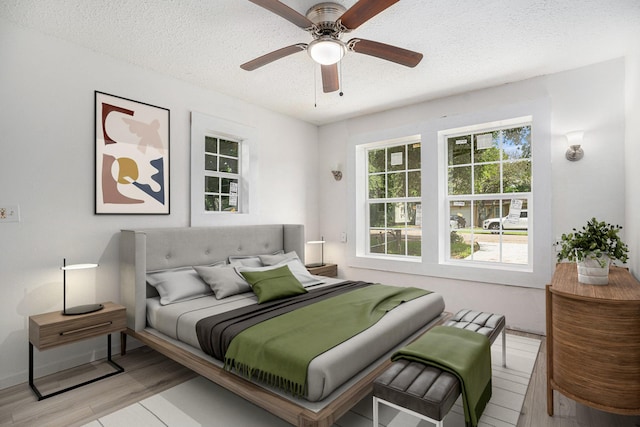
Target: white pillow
<point x="178" y="284"/>
<point x="223" y="280"/>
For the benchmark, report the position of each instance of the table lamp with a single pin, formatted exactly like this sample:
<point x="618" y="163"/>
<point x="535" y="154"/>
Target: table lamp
<point x="80" y="309"/>
<point x="321" y="243"/>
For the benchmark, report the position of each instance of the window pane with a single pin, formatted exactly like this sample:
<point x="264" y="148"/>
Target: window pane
<point x="377" y="241"/>
<point x="226" y="185"/>
<point x="226" y="205"/>
<point x="396" y="214"/>
<point x="396" y="242"/>
<point x="229" y="148"/>
<point x="486" y="148"/>
<point x="211" y="203"/>
<point x="376" y="215"/>
<point x="210" y="162"/>
<point x="396" y="186"/>
<point x="210" y="144"/>
<point x="413" y="156"/>
<point x="211" y="184"/>
<point x="376" y="186"/>
<point x="459" y="180"/>
<point x="414" y="242"/>
<point x="517" y="177"/>
<point x="376" y="161"/>
<point x="517" y="143"/>
<point x="459" y="150"/>
<point x="228" y="165"/>
<point x="413" y="214"/>
<point x="414" y="184"/>
<point x="396" y="158"/>
<point x="487" y="178"/>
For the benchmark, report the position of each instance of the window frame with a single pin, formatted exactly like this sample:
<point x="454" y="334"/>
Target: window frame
<point x="203" y="125"/>
<point x="445" y="229"/>
<point x="406" y="199"/>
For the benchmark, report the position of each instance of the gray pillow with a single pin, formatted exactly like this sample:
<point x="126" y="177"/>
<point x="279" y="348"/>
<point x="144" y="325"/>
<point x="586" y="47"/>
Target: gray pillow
<point x="178" y="284"/>
<point x="223" y="280"/>
<point x="250" y="260"/>
<point x="277" y="258"/>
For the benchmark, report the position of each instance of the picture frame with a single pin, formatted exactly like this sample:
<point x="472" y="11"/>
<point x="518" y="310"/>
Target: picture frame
<point x="132" y="158"/>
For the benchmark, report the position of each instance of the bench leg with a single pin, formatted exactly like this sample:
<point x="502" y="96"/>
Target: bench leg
<point x="376" y="401"/>
<point x="504" y="347"/>
<point x="375" y="412"/>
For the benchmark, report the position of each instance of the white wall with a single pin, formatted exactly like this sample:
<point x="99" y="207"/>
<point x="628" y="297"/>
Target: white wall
<point x="590" y="98"/>
<point x="632" y="157"/>
<point x="46" y="166"/>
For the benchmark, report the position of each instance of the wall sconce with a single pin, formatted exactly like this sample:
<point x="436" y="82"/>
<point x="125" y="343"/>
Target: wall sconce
<point x="574" y="152"/>
<point x="81" y="309"/>
<point x="337" y="173"/>
<point x="321" y="243"/>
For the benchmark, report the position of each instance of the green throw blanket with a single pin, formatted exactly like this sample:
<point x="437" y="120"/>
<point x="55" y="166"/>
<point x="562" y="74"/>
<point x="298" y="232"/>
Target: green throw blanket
<point x="279" y="350"/>
<point x="464" y="353"/>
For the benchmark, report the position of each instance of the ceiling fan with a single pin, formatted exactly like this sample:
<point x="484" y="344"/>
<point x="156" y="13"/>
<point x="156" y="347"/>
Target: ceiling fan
<point x="326" y="22"/>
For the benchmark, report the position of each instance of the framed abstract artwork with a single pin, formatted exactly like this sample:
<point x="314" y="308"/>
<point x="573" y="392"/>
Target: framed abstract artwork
<point x="132" y="156"/>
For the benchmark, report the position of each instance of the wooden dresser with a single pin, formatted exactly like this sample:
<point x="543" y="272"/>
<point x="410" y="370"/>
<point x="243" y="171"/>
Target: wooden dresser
<point x="593" y="340"/>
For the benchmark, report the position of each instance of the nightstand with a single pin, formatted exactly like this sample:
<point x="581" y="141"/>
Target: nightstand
<point x="54" y="329"/>
<point x="327" y="270"/>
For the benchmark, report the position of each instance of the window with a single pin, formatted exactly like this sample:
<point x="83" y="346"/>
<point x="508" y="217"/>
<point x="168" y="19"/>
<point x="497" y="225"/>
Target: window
<point x="221" y="174"/>
<point x="488" y="193"/>
<point x="394" y="205"/>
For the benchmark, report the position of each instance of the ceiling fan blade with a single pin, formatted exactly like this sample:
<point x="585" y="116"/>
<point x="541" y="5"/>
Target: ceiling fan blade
<point x="330" y="81"/>
<point x="362" y="11"/>
<point x="285" y="11"/>
<point x="273" y="56"/>
<point x="395" y="54"/>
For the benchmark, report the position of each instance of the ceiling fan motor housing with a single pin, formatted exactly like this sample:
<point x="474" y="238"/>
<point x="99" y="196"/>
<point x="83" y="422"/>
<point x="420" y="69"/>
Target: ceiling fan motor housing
<point x="324" y="16"/>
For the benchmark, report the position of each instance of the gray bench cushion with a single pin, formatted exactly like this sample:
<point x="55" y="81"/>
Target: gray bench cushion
<point x="487" y="324"/>
<point x="424" y="389"/>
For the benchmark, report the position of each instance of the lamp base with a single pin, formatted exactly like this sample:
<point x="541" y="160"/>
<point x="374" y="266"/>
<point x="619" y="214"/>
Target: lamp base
<point x="82" y="309"/>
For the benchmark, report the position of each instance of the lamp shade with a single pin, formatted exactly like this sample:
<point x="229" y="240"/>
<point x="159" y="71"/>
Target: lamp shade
<point x="326" y="50"/>
<point x="81" y="309"/>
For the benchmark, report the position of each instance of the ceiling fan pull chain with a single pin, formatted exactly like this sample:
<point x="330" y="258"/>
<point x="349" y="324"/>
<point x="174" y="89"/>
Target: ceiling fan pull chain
<point x="341" y="83"/>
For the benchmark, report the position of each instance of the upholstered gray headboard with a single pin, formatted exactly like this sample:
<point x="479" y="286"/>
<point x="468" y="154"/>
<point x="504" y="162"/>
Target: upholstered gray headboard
<point x="162" y="248"/>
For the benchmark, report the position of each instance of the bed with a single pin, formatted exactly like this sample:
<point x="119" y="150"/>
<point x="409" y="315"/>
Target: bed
<point x="337" y="379"/>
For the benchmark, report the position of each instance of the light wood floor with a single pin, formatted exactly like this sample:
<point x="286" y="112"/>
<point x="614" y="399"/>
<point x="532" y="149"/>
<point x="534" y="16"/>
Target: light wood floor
<point x="147" y="373"/>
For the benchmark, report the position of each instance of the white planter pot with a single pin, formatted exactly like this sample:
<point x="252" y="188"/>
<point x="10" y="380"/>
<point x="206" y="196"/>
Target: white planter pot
<point x="591" y="272"/>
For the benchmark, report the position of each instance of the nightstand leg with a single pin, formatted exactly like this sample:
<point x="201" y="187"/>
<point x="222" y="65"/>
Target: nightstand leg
<point x="31" y="384"/>
<point x="118" y="369"/>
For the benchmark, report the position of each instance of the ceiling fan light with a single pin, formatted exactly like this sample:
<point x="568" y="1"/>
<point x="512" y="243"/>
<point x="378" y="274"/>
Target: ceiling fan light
<point x="326" y="50"/>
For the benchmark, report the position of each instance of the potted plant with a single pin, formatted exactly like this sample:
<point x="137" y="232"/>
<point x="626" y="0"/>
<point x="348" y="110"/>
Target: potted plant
<point x="593" y="248"/>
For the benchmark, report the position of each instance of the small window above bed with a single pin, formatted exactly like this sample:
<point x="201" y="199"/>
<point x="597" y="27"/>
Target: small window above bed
<point x="221" y="172"/>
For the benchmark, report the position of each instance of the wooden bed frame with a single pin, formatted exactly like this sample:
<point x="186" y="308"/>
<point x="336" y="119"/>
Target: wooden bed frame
<point x="155" y="249"/>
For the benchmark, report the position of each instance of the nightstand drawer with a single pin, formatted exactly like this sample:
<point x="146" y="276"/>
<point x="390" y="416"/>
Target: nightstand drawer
<point x="327" y="270"/>
<point x="54" y="329"/>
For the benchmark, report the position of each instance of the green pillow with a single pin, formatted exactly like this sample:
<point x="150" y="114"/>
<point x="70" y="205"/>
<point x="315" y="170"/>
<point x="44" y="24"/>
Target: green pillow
<point x="273" y="284"/>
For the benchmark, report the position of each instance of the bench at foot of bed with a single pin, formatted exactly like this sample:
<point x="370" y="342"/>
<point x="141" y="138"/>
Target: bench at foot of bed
<point x="428" y="392"/>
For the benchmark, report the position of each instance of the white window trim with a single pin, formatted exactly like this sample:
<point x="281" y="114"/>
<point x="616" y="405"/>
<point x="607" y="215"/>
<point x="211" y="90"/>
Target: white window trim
<point x="205" y="125"/>
<point x="430" y="265"/>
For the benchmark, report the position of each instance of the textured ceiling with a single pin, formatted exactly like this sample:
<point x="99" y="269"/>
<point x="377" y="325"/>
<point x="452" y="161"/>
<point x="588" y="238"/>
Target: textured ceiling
<point x="467" y="44"/>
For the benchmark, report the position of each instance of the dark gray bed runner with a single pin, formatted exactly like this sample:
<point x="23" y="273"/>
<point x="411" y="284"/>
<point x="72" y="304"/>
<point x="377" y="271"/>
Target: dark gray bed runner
<point x="216" y="332"/>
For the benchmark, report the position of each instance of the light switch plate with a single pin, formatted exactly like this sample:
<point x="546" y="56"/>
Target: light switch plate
<point x="9" y="213"/>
